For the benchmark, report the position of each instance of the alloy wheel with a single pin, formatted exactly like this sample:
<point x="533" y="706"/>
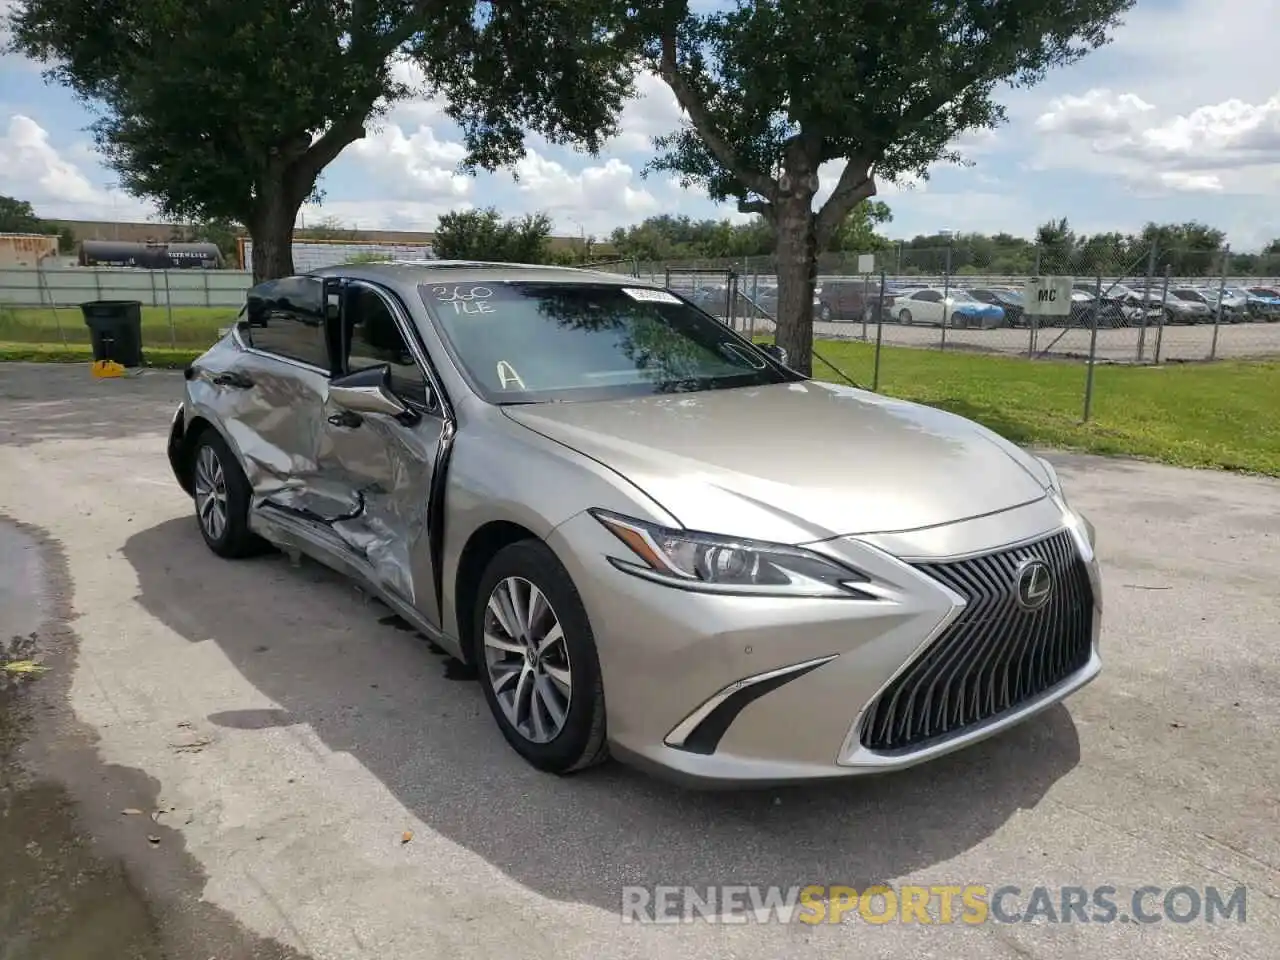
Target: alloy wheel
<point x="211" y="493"/>
<point x="527" y="660"/>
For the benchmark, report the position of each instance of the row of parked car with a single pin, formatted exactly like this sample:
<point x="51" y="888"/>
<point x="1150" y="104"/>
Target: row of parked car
<point x="986" y="307"/>
<point x="1003" y="306"/>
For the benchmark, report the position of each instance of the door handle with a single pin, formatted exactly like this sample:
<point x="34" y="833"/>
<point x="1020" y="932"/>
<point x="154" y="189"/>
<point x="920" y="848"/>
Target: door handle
<point x="233" y="379"/>
<point x="346" y="418"/>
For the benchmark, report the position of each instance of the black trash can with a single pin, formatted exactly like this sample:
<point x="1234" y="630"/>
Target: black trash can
<point x="115" y="326"/>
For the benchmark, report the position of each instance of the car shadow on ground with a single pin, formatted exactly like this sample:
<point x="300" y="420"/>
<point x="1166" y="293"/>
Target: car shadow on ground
<point x="301" y="637"/>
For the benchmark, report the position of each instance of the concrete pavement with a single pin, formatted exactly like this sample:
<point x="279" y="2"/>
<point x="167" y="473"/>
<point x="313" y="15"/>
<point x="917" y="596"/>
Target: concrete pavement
<point x="292" y="738"/>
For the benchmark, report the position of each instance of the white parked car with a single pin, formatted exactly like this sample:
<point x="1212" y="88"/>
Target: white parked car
<point x="956" y="309"/>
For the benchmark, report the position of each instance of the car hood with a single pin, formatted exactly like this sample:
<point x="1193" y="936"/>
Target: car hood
<point x="796" y="462"/>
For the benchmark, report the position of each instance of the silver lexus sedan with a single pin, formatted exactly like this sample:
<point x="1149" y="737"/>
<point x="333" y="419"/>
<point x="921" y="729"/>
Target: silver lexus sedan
<point x="649" y="537"/>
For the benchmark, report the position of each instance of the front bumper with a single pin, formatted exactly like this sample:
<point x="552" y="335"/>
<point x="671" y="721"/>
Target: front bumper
<point x="717" y="690"/>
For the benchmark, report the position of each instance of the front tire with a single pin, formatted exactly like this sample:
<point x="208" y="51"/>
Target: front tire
<point x="536" y="657"/>
<point x="222" y="497"/>
<point x="905" y="317"/>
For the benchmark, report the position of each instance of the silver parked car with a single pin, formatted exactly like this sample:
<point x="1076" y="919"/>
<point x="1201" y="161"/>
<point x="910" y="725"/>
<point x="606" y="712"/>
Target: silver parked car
<point x="649" y="536"/>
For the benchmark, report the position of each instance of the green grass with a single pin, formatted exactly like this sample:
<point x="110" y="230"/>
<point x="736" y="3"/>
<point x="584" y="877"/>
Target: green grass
<point x="191" y="326"/>
<point x="1224" y="415"/>
<point x="165" y="357"/>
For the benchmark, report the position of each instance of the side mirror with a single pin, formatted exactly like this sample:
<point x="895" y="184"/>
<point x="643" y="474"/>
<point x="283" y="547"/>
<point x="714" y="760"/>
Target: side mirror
<point x="368" y="391"/>
<point x="776" y="352"/>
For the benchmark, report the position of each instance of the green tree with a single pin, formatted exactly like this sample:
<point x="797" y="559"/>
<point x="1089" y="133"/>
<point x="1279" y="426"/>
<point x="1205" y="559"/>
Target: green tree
<point x="18" y="216"/>
<point x="1189" y="249"/>
<point x="232" y="109"/>
<point x="774" y="89"/>
<point x="484" y="235"/>
<point x="676" y="238"/>
<point x="1057" y="243"/>
<point x="329" y="228"/>
<point x="857" y="234"/>
<point x="1108" y="254"/>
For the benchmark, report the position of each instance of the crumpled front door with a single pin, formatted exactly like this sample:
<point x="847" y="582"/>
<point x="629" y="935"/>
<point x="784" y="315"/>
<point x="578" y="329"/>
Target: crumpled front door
<point x="380" y="470"/>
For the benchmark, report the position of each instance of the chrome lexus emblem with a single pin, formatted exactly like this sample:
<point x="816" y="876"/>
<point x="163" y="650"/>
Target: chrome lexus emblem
<point x="1033" y="581"/>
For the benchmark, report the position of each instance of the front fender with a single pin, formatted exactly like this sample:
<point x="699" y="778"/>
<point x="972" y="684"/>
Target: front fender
<point x="500" y="471"/>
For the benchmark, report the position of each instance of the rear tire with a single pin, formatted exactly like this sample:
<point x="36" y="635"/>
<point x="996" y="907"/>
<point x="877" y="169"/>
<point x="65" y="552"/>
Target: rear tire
<point x="222" y="497"/>
<point x="537" y="660"/>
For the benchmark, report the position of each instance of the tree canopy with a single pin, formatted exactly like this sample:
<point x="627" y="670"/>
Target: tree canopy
<point x="18" y="216"/>
<point x="231" y="109"/>
<point x="675" y="237"/>
<point x="773" y="90"/>
<point x="1187" y="249"/>
<point x="484" y="235"/>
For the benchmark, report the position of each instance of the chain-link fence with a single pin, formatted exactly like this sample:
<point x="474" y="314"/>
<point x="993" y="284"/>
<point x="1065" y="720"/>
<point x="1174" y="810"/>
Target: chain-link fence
<point x="1097" y="303"/>
<point x="1150" y="305"/>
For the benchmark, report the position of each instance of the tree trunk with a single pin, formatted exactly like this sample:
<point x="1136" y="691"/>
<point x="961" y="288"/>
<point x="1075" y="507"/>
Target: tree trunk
<point x="797" y="255"/>
<point x="271" y="230"/>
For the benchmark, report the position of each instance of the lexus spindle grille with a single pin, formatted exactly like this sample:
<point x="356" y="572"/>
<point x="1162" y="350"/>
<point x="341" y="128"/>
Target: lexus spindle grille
<point x="996" y="654"/>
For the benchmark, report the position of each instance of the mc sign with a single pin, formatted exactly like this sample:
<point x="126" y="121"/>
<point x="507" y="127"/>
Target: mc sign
<point x="1048" y="296"/>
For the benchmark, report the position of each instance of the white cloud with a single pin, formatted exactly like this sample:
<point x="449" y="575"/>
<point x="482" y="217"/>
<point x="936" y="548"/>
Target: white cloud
<point x="594" y="200"/>
<point x="652" y="113"/>
<point x="32" y="169"/>
<point x="417" y="166"/>
<point x="1230" y="146"/>
<point x="1228" y="131"/>
<point x="7" y="9"/>
<point x="1191" y="182"/>
<point x="379" y="214"/>
<point x="1097" y="113"/>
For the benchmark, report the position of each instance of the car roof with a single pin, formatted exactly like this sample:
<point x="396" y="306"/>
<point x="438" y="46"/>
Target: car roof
<point x="411" y="273"/>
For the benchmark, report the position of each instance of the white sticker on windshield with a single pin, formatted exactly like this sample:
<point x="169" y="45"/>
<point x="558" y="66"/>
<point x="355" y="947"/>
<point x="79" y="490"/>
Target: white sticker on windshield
<point x="650" y="296"/>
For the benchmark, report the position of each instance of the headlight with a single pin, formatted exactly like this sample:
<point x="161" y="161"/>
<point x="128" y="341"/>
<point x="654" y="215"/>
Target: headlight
<point x="700" y="561"/>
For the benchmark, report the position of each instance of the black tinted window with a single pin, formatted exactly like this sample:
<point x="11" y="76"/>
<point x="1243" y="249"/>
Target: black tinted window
<point x="373" y="338"/>
<point x="286" y="317"/>
<point x="526" y="342"/>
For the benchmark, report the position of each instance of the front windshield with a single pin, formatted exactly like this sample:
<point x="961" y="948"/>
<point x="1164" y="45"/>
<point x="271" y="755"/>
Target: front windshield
<point x="531" y="342"/>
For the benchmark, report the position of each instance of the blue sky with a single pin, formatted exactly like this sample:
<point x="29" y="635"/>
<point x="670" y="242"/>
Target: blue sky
<point x="1178" y="119"/>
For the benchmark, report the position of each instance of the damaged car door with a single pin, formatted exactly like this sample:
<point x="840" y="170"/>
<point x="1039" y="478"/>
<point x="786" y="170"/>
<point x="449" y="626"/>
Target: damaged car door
<point x="269" y="392"/>
<point x="383" y="426"/>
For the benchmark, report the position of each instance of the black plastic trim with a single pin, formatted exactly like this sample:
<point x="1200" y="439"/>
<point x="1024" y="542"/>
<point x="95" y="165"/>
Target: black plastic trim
<point x="706" y="736"/>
